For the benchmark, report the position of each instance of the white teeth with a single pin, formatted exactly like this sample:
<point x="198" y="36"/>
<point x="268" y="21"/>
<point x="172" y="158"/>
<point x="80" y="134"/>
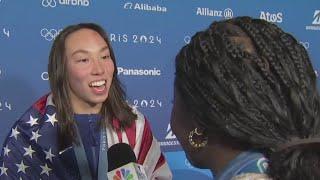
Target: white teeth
<point x="98" y="83"/>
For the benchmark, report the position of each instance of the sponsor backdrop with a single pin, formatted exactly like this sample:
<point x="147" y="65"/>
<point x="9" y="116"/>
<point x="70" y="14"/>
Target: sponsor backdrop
<point x="146" y="35"/>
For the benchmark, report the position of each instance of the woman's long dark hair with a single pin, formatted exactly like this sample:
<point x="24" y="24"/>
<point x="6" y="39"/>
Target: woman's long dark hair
<point x="114" y="107"/>
<point x="255" y="83"/>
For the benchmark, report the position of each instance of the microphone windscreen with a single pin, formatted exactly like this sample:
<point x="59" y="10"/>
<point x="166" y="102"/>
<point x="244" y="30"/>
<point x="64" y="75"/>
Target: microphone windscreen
<point x="120" y="154"/>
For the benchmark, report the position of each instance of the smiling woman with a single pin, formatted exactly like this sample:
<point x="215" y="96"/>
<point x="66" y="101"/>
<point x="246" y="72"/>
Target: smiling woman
<point x="90" y="70"/>
<point x="65" y="134"/>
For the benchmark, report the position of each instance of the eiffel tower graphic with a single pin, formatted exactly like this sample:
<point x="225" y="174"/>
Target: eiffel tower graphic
<point x="316" y="17"/>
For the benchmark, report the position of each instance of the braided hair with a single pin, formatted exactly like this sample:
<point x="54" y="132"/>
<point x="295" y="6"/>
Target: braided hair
<point x="248" y="79"/>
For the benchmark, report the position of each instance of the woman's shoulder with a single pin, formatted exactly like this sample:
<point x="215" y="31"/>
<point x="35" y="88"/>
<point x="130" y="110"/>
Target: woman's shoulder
<point x="39" y="114"/>
<point x="38" y="121"/>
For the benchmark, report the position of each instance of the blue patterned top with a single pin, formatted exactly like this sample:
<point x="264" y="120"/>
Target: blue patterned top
<point x="245" y="162"/>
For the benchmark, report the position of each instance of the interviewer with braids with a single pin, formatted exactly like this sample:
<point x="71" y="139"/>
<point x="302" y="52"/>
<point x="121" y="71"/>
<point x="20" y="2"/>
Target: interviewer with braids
<point x="246" y="104"/>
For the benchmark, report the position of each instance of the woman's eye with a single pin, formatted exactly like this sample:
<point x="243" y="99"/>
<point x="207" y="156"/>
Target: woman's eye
<point x="83" y="60"/>
<point x="106" y="57"/>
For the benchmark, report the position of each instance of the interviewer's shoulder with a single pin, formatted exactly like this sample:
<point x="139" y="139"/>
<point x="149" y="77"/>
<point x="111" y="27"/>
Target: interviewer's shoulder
<point x="252" y="176"/>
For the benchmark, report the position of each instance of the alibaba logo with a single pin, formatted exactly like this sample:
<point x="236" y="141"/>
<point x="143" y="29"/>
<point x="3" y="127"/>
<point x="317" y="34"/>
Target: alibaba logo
<point x="128" y="5"/>
<point x="49" y="3"/>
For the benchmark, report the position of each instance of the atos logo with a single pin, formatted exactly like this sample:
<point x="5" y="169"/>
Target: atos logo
<point x="49" y="34"/>
<point x="53" y="3"/>
<point x="271" y="17"/>
<point x="316" y="21"/>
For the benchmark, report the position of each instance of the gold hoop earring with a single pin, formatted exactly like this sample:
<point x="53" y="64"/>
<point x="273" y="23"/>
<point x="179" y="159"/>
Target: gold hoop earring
<point x="193" y="135"/>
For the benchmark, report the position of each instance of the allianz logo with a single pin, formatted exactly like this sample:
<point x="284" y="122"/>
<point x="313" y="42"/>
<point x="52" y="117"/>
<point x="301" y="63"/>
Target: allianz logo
<point x="145" y="7"/>
<point x="271" y="17"/>
<point x="226" y="13"/>
<point x="138" y="72"/>
<point x="53" y="3"/>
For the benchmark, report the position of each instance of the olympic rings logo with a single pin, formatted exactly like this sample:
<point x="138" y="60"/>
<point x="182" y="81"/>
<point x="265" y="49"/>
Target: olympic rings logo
<point x="49" y="3"/>
<point x="49" y="34"/>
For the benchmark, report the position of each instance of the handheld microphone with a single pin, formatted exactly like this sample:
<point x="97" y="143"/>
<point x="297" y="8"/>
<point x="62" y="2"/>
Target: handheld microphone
<point x="122" y="163"/>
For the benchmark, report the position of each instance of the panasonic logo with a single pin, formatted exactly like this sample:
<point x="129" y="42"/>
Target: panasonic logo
<point x="139" y="72"/>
